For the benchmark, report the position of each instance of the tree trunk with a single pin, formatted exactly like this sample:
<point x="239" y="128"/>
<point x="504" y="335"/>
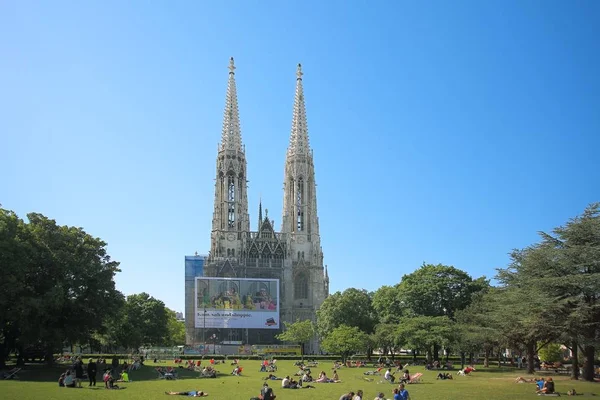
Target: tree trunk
<point x="447" y="354"/>
<point x="486" y="360"/>
<point x="530" y="353"/>
<point x="2" y="355"/>
<point x="436" y="352"/>
<point x="575" y="362"/>
<point x="470" y="358"/>
<point x="49" y="356"/>
<point x="414" y="353"/>
<point x="588" y="366"/>
<point x="462" y="360"/>
<point x="302" y="352"/>
<point x="499" y="357"/>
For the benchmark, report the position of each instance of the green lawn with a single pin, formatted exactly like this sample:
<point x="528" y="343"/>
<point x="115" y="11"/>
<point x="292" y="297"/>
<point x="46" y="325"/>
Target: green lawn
<point x="41" y="383"/>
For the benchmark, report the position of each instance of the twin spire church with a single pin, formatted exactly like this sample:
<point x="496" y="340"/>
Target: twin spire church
<point x="292" y="255"/>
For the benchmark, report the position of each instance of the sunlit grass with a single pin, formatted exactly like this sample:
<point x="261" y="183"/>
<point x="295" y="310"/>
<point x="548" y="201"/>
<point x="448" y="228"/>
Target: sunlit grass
<point x="37" y="382"/>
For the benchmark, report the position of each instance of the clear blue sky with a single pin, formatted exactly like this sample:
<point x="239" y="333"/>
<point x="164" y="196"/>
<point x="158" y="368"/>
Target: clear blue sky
<point x="444" y="131"/>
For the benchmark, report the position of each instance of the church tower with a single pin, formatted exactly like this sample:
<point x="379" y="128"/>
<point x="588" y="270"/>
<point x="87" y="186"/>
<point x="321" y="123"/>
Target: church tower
<point x="300" y="222"/>
<point x="231" y="222"/>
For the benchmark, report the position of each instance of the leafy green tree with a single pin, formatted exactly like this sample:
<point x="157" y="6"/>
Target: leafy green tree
<point x="13" y="256"/>
<point x="473" y="332"/>
<point x="176" y="330"/>
<point x="352" y="308"/>
<point x="145" y="321"/>
<point x="386" y="338"/>
<point x="66" y="284"/>
<point x="423" y="333"/>
<point x="551" y="352"/>
<point x="300" y="332"/>
<point x="521" y="316"/>
<point x="572" y="275"/>
<point x="388" y="304"/>
<point x="438" y="290"/>
<point x="345" y="340"/>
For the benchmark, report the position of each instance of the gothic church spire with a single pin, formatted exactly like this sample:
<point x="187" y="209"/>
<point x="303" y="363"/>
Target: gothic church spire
<point x="231" y="138"/>
<point x="230" y="221"/>
<point x="299" y="135"/>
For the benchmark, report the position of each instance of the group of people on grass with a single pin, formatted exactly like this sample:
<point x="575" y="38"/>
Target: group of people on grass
<point x="74" y="376"/>
<point x="543" y="386"/>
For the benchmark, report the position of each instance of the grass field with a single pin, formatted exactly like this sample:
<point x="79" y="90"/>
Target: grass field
<point x="38" y="382"/>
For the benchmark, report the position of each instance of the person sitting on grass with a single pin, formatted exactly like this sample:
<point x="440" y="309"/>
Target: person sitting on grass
<point x="266" y="393"/>
<point x="69" y="380"/>
<point x="380" y="396"/>
<point x="405" y="377"/>
<point x="539" y="383"/>
<point x="307" y="377"/>
<point x="347" y="396"/>
<point x="389" y="376"/>
<point x="109" y="380"/>
<point x="548" y="387"/>
<point x="191" y="393"/>
<point x="124" y="377"/>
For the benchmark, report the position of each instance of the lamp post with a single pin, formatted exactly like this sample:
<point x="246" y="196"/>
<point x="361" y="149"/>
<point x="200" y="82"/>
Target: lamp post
<point x="204" y="329"/>
<point x="214" y="338"/>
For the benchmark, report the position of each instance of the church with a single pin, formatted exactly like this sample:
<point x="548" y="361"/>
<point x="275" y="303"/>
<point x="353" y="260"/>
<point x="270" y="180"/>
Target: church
<point x="292" y="255"/>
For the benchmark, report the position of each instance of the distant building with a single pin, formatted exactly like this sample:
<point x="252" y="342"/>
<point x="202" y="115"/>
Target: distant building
<point x="179" y="316"/>
<point x="293" y="255"/>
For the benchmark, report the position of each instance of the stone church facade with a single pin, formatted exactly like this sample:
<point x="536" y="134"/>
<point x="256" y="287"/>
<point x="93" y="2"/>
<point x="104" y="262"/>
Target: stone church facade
<point x="294" y="254"/>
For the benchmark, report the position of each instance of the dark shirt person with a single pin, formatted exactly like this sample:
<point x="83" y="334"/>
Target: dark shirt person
<point x="267" y="393"/>
<point x="92" y="368"/>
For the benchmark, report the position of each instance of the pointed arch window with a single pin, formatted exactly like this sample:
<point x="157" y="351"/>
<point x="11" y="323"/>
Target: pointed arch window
<point x="252" y="258"/>
<point x="265" y="257"/>
<point x="300" y="205"/>
<point x="301" y="286"/>
<point x="231" y="201"/>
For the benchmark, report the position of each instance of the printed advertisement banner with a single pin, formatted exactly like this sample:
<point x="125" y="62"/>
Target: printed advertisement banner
<point x="237" y="303"/>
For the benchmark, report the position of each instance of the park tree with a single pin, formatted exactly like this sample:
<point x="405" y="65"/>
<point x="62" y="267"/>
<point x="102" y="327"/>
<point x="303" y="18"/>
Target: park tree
<point x="69" y="285"/>
<point x="564" y="267"/>
<point x="438" y="290"/>
<point x="523" y="318"/>
<point x="386" y="338"/>
<point x="345" y="340"/>
<point x="574" y="277"/>
<point x="473" y="331"/>
<point x="551" y="352"/>
<point x="424" y="333"/>
<point x="388" y="304"/>
<point x="145" y="321"/>
<point x="13" y="255"/>
<point x="300" y="332"/>
<point x="175" y="330"/>
<point x="352" y="307"/>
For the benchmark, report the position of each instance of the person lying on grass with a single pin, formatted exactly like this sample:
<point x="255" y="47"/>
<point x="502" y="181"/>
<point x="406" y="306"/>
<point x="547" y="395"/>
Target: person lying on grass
<point x="520" y="379"/>
<point x="192" y="393"/>
<point x="272" y="377"/>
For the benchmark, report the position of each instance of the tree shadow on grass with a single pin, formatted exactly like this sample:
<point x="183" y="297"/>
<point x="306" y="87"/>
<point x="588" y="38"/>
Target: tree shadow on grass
<point x="44" y="373"/>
